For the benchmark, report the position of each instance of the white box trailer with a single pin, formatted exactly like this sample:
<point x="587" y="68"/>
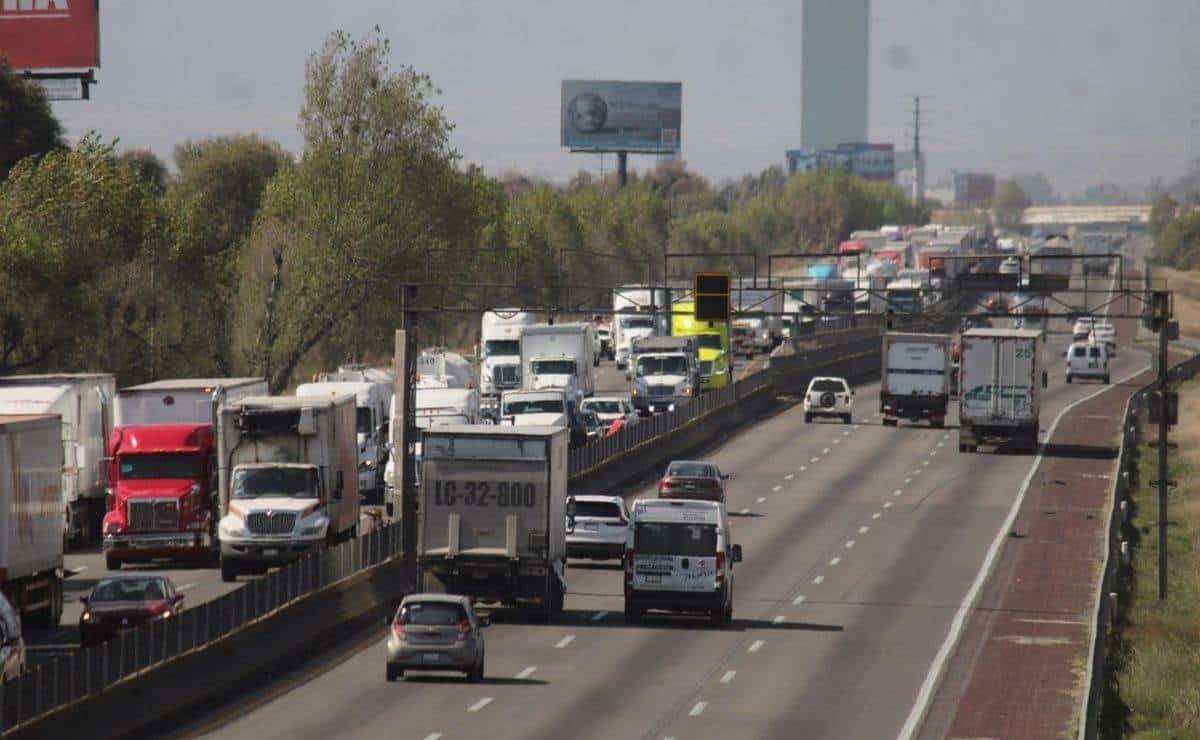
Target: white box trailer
<point x="287" y="471"/>
<point x="1002" y="377"/>
<point x="182" y="400"/>
<point x="493" y="514"/>
<point x="373" y="400"/>
<point x="31" y="541"/>
<point x="915" y="378"/>
<point x="84" y="403"/>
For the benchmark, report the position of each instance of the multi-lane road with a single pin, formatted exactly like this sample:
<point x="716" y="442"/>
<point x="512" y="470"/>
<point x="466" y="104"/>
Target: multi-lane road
<point x="861" y="543"/>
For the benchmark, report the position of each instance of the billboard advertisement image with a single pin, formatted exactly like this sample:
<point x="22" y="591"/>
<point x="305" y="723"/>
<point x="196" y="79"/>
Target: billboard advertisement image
<point x="610" y="116"/>
<point x="50" y="34"/>
<point x="869" y="161"/>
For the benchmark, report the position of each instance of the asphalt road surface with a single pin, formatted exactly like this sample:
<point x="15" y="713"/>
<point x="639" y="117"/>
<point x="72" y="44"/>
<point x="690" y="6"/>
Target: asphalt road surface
<point x="860" y="543"/>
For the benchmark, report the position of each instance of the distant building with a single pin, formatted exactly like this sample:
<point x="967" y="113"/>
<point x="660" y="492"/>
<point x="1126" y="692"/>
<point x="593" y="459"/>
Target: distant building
<point x="833" y="72"/>
<point x="870" y="161"/>
<point x="973" y="189"/>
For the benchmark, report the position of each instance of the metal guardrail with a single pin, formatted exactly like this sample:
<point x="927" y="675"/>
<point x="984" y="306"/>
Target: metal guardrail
<point x="1136" y="413"/>
<point x="65" y="679"/>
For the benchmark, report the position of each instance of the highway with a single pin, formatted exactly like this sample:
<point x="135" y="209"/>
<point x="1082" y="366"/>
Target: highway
<point x="860" y="544"/>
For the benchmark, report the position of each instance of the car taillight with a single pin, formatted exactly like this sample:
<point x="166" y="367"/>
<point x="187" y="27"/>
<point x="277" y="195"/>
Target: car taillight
<point x="398" y="628"/>
<point x="720" y="567"/>
<point x="666" y="484"/>
<point x="464" y="630"/>
<point x="846" y="399"/>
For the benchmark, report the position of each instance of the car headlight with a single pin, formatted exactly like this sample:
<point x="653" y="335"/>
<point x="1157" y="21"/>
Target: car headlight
<point x="367" y="465"/>
<point x="315" y="527"/>
<point x="87" y="617"/>
<point x="232" y="527"/>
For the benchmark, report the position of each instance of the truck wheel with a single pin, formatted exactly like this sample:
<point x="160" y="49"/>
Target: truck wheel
<point x="1106" y="380"/>
<point x="633" y="615"/>
<point x="937" y="422"/>
<point x="229" y="570"/>
<point x="475" y="675"/>
<point x="807" y="418"/>
<point x="557" y="598"/>
<point x="717" y="617"/>
<point x="1068" y="377"/>
<point x="845" y="418"/>
<point x="394" y="672"/>
<point x="112" y="563"/>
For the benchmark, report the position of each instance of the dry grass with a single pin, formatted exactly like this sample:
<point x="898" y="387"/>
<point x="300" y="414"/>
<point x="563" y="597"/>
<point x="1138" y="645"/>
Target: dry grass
<point x="1187" y="298"/>
<point x="1160" y="680"/>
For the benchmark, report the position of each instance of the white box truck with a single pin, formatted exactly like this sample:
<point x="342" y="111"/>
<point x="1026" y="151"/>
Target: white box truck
<point x="493" y="515"/>
<point x="31" y="541"/>
<point x="1002" y="378"/>
<point x="915" y="378"/>
<point x="500" y="349"/>
<point x="84" y="403"/>
<point x="373" y="400"/>
<point x="559" y="356"/>
<point x="287" y="471"/>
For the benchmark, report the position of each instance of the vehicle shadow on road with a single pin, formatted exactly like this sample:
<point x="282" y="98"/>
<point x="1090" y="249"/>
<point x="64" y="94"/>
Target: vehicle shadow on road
<point x="696" y="622"/>
<point x="434" y="678"/>
<point x="745" y="515"/>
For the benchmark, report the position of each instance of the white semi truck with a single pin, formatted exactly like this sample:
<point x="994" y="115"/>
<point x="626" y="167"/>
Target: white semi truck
<point x="1002" y="379"/>
<point x="500" y="349"/>
<point x="915" y="378"/>
<point x="287" y="471"/>
<point x="493" y="515"/>
<point x="31" y="538"/>
<point x="559" y="356"/>
<point x="84" y="403"/>
<point x="638" y="312"/>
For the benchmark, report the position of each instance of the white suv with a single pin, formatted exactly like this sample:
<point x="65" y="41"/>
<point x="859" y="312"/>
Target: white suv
<point x="1083" y="327"/>
<point x="601" y="526"/>
<point x="828" y="397"/>
<point x="1087" y="360"/>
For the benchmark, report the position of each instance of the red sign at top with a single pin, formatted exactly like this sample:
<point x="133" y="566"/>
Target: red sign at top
<point x="50" y="34"/>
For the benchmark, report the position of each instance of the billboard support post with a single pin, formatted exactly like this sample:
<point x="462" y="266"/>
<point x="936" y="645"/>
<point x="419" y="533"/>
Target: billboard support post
<point x="622" y="168"/>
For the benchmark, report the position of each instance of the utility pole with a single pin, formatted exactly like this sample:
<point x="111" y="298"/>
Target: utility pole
<point x="918" y="167"/>
<point x="404" y="428"/>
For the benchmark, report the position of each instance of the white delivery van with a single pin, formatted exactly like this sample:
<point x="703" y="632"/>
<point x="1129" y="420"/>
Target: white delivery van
<point x="678" y="558"/>
<point x="1087" y="361"/>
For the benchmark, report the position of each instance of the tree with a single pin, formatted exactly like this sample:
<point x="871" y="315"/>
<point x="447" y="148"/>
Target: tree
<point x="1179" y="243"/>
<point x="1008" y="204"/>
<point x="1161" y="213"/>
<point x="28" y="125"/>
<point x="374" y="193"/>
<point x="147" y="166"/>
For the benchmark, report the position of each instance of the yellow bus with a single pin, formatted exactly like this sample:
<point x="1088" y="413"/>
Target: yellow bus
<point x="715" y="368"/>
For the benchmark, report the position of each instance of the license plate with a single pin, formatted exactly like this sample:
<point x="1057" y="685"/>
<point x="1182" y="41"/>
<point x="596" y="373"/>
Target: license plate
<point x="270" y="552"/>
<point x="591" y="527"/>
<point x="655" y="578"/>
<point x="431" y="657"/>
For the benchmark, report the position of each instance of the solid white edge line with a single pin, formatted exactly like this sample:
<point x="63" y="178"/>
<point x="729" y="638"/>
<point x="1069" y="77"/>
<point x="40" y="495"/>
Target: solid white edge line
<point x="933" y="678"/>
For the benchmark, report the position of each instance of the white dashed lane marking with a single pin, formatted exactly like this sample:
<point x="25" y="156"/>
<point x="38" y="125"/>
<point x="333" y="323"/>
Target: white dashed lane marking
<point x="803" y="468"/>
<point x="744" y="512"/>
<point x="887" y="504"/>
<point x="480" y="704"/>
<point x="565" y="641"/>
<point x="863" y="529"/>
<point x="698" y="709"/>
<point x="756" y="646"/>
<point x="849" y="544"/>
<point x="815" y="459"/>
<point x="728" y="676"/>
<point x="876" y="515"/>
<point x="825" y="451"/>
<point x="789" y="476"/>
<point x="778" y="619"/>
<point x="526" y="673"/>
<point x="776" y="488"/>
<point x="818" y="580"/>
<point x="897" y="492"/>
<point x="434" y="736"/>
<point x="834" y="561"/>
<point x="761" y="499"/>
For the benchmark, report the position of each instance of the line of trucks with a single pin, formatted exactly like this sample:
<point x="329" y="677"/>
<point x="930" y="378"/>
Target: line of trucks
<point x="1000" y="378"/>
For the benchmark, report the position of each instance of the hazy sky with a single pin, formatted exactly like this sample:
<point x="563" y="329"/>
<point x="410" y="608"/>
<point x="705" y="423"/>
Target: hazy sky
<point x="1086" y="90"/>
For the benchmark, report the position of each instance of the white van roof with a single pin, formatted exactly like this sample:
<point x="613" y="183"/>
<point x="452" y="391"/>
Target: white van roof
<point x="678" y="511"/>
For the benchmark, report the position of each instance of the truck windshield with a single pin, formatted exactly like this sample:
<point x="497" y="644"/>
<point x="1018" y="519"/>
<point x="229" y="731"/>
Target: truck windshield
<point x="710" y="341"/>
<point x="363" y="419"/>
<point x="602" y="407"/>
<point x="689" y="540"/>
<point x="553" y="367"/>
<point x="290" y="482"/>
<point x="502" y="347"/>
<point x="637" y="322"/>
<point x="533" y="406"/>
<point x="661" y="366"/>
<point x="145" y="467"/>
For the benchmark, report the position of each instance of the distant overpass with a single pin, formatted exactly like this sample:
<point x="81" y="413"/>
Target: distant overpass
<point x="1067" y="215"/>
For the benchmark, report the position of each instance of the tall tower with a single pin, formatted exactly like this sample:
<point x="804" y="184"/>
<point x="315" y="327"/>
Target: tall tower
<point x="833" y="72"/>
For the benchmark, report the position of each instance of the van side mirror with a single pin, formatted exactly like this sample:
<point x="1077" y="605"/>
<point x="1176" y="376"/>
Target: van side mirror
<point x="735" y="553"/>
<point x="570" y="514"/>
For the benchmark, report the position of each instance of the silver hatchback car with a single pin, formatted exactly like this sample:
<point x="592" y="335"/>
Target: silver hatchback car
<point x="435" y="632"/>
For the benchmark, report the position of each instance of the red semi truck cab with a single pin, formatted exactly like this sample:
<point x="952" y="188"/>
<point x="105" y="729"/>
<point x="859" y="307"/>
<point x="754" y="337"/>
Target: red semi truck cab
<point x="161" y="494"/>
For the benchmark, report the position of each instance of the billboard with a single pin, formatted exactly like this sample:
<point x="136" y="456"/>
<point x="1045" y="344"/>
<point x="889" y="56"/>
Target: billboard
<point x="610" y="116"/>
<point x="50" y="34"/>
<point x="869" y="161"/>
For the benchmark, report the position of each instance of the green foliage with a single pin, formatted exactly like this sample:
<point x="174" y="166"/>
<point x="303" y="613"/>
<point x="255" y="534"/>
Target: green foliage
<point x="1178" y="244"/>
<point x="1009" y="202"/>
<point x="148" y="167"/>
<point x="27" y="125"/>
<point x="1163" y="211"/>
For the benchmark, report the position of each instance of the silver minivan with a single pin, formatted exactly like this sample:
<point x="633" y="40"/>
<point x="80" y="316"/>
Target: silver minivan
<point x="678" y="558"/>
